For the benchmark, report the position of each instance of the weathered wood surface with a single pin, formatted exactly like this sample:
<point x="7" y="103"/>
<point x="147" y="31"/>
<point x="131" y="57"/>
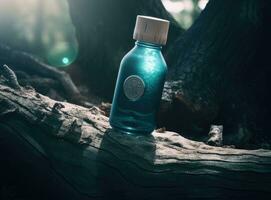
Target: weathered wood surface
<point x="67" y="151"/>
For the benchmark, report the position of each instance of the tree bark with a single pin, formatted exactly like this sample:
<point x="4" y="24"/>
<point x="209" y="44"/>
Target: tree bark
<point x="104" y="32"/>
<point x="220" y="73"/>
<point x="60" y="150"/>
<point x="218" y="69"/>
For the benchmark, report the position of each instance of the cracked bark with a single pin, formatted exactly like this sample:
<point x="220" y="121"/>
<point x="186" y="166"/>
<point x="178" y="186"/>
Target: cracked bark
<point x="65" y="151"/>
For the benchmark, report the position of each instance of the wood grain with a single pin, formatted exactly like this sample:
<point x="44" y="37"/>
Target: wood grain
<point x="82" y="157"/>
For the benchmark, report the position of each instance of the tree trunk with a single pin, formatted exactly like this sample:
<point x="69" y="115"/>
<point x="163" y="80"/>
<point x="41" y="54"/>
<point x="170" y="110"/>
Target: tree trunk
<point x="104" y="31"/>
<point x="220" y="73"/>
<point x="218" y="68"/>
<point x="63" y="151"/>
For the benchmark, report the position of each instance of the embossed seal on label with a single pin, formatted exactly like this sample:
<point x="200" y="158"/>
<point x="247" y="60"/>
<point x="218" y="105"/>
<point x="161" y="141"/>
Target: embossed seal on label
<point x="133" y="87"/>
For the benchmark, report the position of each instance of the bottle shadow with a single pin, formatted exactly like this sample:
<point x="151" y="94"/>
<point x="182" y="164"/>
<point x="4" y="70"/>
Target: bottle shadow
<point x="123" y="162"/>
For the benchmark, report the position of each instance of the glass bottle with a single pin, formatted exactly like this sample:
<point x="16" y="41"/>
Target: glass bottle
<point x="141" y="79"/>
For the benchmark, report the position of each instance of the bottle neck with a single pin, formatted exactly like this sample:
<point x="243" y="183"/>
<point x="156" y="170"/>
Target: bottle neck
<point x="148" y="45"/>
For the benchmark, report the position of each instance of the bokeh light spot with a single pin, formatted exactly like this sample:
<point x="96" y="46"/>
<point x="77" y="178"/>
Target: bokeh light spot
<point x="65" y="60"/>
<point x="62" y="54"/>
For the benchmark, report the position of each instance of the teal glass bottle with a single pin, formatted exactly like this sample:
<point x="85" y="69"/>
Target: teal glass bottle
<point x="141" y="79"/>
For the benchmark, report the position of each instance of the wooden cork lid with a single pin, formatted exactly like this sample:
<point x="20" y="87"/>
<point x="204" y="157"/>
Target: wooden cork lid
<point x="151" y="29"/>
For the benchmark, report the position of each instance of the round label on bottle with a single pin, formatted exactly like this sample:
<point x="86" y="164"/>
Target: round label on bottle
<point x="133" y="87"/>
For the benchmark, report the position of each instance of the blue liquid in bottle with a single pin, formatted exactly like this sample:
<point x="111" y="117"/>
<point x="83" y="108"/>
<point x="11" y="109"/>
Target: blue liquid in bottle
<point x="139" y="87"/>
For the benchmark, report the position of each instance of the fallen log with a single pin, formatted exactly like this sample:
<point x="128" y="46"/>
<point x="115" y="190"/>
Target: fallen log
<point x="64" y="151"/>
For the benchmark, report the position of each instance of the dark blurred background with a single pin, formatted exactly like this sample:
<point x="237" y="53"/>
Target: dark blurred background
<point x="45" y="29"/>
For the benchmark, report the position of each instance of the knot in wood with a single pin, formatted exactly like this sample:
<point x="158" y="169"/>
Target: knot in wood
<point x="57" y="106"/>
